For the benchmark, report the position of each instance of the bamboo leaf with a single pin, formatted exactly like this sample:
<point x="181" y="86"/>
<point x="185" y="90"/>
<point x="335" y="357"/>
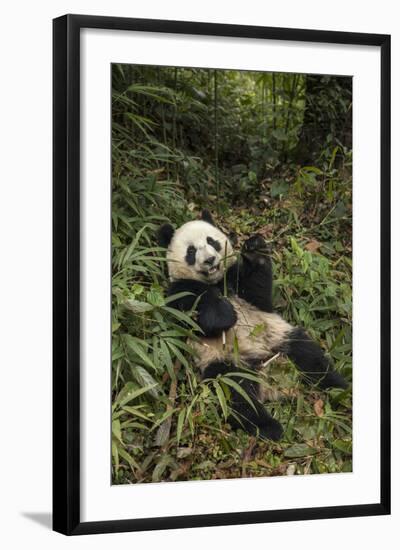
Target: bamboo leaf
<point x="182" y="317"/>
<point x="131" y="395"/>
<point x="129" y="459"/>
<point x="144" y="378"/>
<point x="167" y="359"/>
<point x="138" y="350"/>
<point x="181" y="420"/>
<point x="239" y="389"/>
<point x="135" y="412"/>
<point x="299" y="450"/>
<point x="221" y="398"/>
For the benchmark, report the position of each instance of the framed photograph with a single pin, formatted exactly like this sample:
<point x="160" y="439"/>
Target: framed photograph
<point x="221" y="274"/>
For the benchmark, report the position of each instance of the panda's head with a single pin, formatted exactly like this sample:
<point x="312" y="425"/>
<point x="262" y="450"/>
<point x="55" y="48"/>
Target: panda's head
<point x="197" y="250"/>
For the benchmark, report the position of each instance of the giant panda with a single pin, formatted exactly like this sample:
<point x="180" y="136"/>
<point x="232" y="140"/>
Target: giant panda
<point x="232" y="297"/>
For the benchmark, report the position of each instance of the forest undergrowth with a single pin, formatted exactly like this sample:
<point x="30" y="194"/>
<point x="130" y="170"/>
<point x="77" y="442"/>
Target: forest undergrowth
<point x="266" y="153"/>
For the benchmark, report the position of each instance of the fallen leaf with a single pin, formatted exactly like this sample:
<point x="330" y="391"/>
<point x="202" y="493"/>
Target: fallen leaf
<point x="313" y="245"/>
<point x="183" y="452"/>
<point x="266" y="231"/>
<point x="247" y="453"/>
<point x="319" y="407"/>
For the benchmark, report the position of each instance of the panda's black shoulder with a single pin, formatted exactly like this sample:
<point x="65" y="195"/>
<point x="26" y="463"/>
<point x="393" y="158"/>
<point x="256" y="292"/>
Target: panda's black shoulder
<point x="188" y="285"/>
<point x="193" y="288"/>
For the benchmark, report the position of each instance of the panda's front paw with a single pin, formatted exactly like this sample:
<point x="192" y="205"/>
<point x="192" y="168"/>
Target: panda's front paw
<point x="254" y="243"/>
<point x="255" y="250"/>
<point x="216" y="316"/>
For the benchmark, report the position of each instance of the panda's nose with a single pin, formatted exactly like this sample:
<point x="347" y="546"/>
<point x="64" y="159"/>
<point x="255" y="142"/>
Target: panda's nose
<point x="210" y="260"/>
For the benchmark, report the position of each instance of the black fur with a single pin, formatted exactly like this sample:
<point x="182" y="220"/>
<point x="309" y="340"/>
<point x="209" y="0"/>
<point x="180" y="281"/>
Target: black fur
<point x="216" y="368"/>
<point x="251" y="277"/>
<point x="206" y="217"/>
<point x="312" y="361"/>
<point x="190" y="257"/>
<point x="214" y="312"/>
<point x="215" y="244"/>
<point x="253" y="419"/>
<point x="195" y="288"/>
<point x="165" y="234"/>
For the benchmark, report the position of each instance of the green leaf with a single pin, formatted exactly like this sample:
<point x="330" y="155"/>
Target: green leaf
<point x="137" y="307"/>
<point x="137" y="348"/>
<point x="130" y="394"/>
<point x="181" y="345"/>
<point x="344" y="446"/>
<point x="126" y="456"/>
<point x="221" y="398"/>
<point x="116" y="429"/>
<point x="115" y="454"/>
<point x="137" y="289"/>
<point x="115" y="326"/>
<point x="167" y="359"/>
<point x="181" y="419"/>
<point x="164" y="417"/>
<point x="247" y="375"/>
<point x="177" y="296"/>
<point x="182" y="317"/>
<point x="312" y="169"/>
<point x="178" y="354"/>
<point x="135" y="412"/>
<point x="144" y="378"/>
<point x="340" y="210"/>
<point x="133" y="424"/>
<point x="280" y="134"/>
<point x="258" y="330"/>
<point x="299" y="450"/>
<point x="165" y="461"/>
<point x="239" y="389"/>
<point x="155" y="298"/>
<point x="279" y="188"/>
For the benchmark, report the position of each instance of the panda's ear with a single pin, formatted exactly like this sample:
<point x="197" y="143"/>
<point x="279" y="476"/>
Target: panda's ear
<point x="165" y="234"/>
<point x="233" y="238"/>
<point x="206" y="217"/>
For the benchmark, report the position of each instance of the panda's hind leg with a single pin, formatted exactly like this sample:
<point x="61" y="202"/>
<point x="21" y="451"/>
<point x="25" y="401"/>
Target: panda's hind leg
<point x="248" y="414"/>
<point x="311" y="360"/>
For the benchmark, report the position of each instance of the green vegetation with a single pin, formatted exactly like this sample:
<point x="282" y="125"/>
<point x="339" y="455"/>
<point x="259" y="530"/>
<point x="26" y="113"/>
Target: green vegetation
<point x="267" y="153"/>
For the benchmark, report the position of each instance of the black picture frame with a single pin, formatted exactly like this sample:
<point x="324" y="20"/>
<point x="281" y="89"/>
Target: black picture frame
<point x="66" y="273"/>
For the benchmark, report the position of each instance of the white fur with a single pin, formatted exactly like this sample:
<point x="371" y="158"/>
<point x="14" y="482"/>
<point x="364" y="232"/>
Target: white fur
<point x="255" y="335"/>
<point x="195" y="233"/>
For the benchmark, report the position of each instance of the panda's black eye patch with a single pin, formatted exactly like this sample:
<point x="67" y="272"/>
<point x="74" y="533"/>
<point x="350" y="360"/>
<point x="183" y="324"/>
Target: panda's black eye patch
<point x="214" y="244"/>
<point x="190" y="255"/>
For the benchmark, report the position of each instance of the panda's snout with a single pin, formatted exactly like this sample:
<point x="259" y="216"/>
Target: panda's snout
<point x="209" y="261"/>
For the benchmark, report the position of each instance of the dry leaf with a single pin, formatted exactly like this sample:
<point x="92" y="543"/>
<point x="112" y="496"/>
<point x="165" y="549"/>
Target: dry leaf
<point x="319" y="407"/>
<point x="183" y="452"/>
<point x="313" y="245"/>
<point x="247" y="453"/>
<point x="266" y="231"/>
